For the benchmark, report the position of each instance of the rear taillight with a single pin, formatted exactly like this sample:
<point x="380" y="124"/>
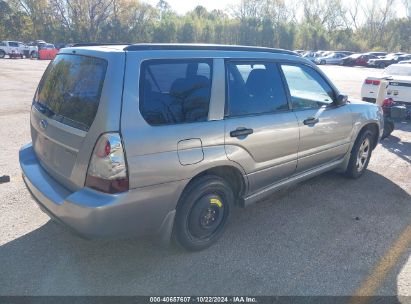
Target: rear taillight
<point x="107" y="171"/>
<point x="388" y="102"/>
<point x="373" y="82"/>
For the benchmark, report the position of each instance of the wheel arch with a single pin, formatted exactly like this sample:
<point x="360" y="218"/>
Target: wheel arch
<point x="232" y="175"/>
<point x="373" y="127"/>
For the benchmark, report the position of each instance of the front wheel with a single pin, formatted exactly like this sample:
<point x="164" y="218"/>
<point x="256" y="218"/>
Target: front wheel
<point x="2" y="54"/>
<point x="360" y="155"/>
<point x="203" y="212"/>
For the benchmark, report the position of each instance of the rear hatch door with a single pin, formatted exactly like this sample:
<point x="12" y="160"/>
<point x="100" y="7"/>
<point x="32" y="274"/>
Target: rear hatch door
<point x="71" y="108"/>
<point x="399" y="89"/>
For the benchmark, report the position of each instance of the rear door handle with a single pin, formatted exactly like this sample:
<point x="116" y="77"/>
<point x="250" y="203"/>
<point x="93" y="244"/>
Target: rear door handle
<point x="310" y="121"/>
<point x="241" y="132"/>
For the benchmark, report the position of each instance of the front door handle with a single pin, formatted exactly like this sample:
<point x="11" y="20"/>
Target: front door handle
<point x="310" y="121"/>
<point x="241" y="132"/>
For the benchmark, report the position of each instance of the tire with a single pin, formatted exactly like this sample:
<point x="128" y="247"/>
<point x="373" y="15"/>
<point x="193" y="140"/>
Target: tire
<point x="360" y="154"/>
<point x="381" y="65"/>
<point x="388" y="128"/>
<point x="2" y="54"/>
<point x="203" y="212"/>
<point x="323" y="62"/>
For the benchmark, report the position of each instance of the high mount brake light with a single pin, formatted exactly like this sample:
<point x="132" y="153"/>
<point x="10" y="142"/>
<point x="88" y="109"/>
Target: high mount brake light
<point x="107" y="171"/>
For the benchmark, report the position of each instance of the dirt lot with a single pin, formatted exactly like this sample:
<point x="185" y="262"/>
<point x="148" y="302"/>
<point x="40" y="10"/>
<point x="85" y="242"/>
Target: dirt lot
<point x="327" y="236"/>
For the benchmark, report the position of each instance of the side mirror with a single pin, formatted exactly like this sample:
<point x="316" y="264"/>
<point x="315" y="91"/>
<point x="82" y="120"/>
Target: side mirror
<point x="341" y="100"/>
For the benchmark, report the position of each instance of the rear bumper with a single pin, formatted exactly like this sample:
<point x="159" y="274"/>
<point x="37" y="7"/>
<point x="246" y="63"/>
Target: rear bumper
<point x="137" y="212"/>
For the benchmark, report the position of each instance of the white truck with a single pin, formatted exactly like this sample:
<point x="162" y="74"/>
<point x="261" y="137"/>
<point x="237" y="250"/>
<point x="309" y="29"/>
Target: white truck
<point x="394" y="83"/>
<point x="392" y="91"/>
<point x="17" y="49"/>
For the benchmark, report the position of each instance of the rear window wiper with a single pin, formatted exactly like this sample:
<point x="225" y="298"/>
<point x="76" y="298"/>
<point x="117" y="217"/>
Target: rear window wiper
<point x="44" y="109"/>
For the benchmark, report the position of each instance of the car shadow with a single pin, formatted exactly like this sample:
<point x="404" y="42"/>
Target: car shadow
<point x="400" y="148"/>
<point x="322" y="237"/>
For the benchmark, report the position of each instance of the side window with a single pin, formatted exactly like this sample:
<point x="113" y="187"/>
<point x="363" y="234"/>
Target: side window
<point x="13" y="44"/>
<point x="175" y="91"/>
<point x="254" y="88"/>
<point x="308" y="89"/>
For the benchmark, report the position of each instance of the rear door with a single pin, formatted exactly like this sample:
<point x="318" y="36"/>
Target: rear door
<point x="64" y="109"/>
<point x="325" y="129"/>
<point x="261" y="132"/>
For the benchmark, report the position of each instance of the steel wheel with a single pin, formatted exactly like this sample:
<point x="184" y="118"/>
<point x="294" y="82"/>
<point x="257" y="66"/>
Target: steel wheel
<point x="206" y="216"/>
<point x="203" y="212"/>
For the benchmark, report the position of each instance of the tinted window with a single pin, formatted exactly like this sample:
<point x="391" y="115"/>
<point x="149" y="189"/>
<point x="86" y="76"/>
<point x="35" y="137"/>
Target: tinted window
<point x="175" y="91"/>
<point x="70" y="90"/>
<point x="307" y="88"/>
<point x="13" y="44"/>
<point x="254" y="88"/>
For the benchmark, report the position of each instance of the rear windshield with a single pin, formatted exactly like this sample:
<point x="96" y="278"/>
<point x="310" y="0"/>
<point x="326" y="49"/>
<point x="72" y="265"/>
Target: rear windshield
<point x="70" y="90"/>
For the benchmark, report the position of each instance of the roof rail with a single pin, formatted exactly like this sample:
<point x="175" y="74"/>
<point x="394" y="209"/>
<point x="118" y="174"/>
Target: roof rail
<point x="211" y="47"/>
<point x="97" y="44"/>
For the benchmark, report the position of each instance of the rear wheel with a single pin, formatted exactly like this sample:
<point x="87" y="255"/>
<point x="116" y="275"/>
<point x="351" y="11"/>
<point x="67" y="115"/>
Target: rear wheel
<point x="203" y="212"/>
<point x="323" y="62"/>
<point x="360" y="155"/>
<point x="381" y="65"/>
<point x="2" y="54"/>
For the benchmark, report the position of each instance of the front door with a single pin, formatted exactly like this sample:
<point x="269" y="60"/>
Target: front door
<point x="261" y="132"/>
<point x="325" y="129"/>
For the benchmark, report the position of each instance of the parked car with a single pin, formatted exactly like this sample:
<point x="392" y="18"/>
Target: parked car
<point x="405" y="62"/>
<point x="333" y="58"/>
<point x="388" y="60"/>
<point x="395" y="86"/>
<point x="47" y="51"/>
<point x="357" y="59"/>
<point x="30" y="51"/>
<point x="398" y="77"/>
<point x="12" y="49"/>
<point x="301" y="52"/>
<point x="346" y="53"/>
<point x="156" y="145"/>
<point x="377" y="54"/>
<point x="60" y="45"/>
<point x="310" y="56"/>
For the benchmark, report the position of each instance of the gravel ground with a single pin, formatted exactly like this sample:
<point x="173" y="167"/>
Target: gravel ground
<point x="327" y="236"/>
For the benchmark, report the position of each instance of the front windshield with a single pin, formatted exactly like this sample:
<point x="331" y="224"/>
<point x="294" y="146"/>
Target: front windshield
<point x="398" y="70"/>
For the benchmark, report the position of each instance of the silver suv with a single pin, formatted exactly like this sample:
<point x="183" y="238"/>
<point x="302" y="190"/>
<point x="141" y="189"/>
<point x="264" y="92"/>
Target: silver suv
<point x="167" y="139"/>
